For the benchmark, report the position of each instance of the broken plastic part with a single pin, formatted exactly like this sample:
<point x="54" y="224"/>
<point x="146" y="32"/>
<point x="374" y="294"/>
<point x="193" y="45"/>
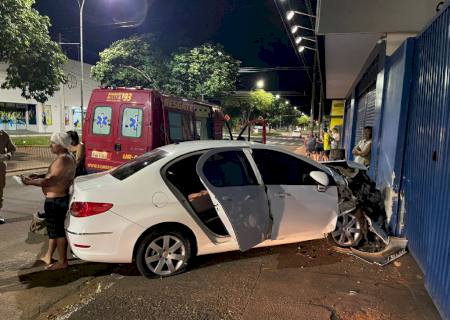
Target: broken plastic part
<point x="394" y="250"/>
<point x="375" y="228"/>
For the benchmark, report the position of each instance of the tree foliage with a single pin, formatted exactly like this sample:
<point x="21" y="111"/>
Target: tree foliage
<point x="35" y="61"/>
<point x="303" y="120"/>
<point x="203" y="71"/>
<point x="134" y="61"/>
<point x="263" y="102"/>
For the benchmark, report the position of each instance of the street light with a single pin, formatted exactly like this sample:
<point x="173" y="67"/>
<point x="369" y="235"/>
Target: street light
<point x="300" y="39"/>
<point x="286" y="102"/>
<point x="277" y="96"/>
<point x="290" y="14"/>
<point x="302" y="48"/>
<point x="260" y="84"/>
<point x="295" y="28"/>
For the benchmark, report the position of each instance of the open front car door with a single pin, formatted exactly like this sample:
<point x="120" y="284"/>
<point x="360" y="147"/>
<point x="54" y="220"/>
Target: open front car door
<point x="234" y="184"/>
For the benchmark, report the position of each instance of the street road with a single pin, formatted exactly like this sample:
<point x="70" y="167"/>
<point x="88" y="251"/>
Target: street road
<point x="20" y="203"/>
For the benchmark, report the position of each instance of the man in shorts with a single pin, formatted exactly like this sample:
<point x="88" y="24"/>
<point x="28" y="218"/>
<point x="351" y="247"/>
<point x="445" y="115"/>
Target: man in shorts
<point x="55" y="185"/>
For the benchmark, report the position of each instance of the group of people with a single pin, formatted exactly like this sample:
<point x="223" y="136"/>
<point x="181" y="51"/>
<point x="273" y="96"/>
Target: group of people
<point x="55" y="184"/>
<point x="323" y="146"/>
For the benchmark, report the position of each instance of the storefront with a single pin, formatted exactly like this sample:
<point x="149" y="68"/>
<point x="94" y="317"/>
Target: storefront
<point x="60" y="112"/>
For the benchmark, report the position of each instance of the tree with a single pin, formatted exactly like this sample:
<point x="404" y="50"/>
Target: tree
<point x="203" y="71"/>
<point x="237" y="108"/>
<point x="303" y="120"/>
<point x="263" y="102"/>
<point x="35" y="61"/>
<point x="130" y="62"/>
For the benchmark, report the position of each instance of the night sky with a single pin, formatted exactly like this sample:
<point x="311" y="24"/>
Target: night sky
<point x="250" y="30"/>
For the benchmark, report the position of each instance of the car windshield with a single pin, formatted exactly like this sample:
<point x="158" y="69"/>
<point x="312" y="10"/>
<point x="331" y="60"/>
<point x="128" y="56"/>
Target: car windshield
<point x="133" y="166"/>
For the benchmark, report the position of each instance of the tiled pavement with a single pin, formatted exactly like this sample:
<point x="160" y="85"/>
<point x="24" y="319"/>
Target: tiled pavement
<point x="28" y="158"/>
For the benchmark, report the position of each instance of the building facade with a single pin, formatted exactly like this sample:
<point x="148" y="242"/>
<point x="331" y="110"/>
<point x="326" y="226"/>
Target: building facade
<point x="60" y="112"/>
<point x="400" y="88"/>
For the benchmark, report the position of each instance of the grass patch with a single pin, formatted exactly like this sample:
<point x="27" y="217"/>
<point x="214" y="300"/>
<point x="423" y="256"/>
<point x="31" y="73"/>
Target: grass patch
<point x="31" y="141"/>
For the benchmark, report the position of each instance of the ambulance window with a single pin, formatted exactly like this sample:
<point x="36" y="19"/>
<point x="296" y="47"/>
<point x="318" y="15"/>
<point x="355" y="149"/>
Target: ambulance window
<point x="180" y="126"/>
<point x="132" y="122"/>
<point x="101" y="123"/>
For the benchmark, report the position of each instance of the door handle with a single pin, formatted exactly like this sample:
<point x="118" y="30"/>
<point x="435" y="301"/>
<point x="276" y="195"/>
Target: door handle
<point x="283" y="195"/>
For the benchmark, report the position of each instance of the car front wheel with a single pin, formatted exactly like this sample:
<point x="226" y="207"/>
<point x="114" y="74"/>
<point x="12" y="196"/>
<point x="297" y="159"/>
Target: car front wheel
<point x="163" y="253"/>
<point x="348" y="230"/>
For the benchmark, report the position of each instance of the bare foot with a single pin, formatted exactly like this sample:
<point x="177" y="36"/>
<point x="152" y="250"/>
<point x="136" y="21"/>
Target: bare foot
<point x="46" y="261"/>
<point x="56" y="266"/>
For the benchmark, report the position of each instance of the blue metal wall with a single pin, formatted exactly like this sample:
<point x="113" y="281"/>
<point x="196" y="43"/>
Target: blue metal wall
<point x="389" y="137"/>
<point x="426" y="183"/>
<point x="349" y="125"/>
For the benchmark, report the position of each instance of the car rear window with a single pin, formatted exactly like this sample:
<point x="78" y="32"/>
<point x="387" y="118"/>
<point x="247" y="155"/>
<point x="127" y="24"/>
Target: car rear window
<point x="131" y="167"/>
<point x="101" y="123"/>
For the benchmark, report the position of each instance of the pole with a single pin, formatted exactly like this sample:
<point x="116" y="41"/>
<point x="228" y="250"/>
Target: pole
<point x="62" y="101"/>
<point x="313" y="90"/>
<point x="81" y="5"/>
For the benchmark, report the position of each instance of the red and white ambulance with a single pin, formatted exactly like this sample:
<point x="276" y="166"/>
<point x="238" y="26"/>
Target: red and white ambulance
<point x="123" y="123"/>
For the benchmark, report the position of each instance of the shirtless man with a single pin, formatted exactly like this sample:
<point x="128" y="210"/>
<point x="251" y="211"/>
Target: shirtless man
<point x="55" y="185"/>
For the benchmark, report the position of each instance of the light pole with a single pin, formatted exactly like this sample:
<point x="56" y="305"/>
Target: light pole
<point x="81" y="6"/>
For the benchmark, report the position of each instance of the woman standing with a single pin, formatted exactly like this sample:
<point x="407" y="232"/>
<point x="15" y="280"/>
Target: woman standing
<point x="79" y="152"/>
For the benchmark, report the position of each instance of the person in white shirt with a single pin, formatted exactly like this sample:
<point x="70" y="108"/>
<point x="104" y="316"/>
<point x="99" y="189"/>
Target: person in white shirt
<point x="335" y="138"/>
<point x="362" y="150"/>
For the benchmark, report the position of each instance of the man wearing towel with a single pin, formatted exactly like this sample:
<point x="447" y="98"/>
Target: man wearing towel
<point x="55" y="185"/>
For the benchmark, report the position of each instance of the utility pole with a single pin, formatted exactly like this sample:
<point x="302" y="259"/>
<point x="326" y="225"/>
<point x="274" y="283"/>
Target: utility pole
<point x="81" y="5"/>
<point x="62" y="125"/>
<point x="313" y="90"/>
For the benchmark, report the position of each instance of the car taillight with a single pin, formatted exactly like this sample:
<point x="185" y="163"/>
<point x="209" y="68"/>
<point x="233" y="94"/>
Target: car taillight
<point x="86" y="209"/>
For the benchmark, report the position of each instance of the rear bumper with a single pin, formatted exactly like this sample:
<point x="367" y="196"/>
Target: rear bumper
<point x="112" y="242"/>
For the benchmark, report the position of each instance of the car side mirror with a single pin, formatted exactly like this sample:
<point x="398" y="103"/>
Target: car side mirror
<point x="321" y="178"/>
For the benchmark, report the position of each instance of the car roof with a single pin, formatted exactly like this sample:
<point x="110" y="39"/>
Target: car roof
<point x="197" y="145"/>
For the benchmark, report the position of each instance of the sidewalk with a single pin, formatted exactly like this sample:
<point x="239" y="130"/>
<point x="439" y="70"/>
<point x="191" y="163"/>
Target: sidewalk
<point x="30" y="158"/>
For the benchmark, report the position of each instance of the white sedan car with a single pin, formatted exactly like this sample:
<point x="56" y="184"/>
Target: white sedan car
<point x="194" y="198"/>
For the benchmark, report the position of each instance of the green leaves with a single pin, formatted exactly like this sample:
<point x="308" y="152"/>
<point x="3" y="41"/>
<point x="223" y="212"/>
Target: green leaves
<point x="132" y="62"/>
<point x="35" y="61"/>
<point x="202" y="71"/>
<point x="303" y="120"/>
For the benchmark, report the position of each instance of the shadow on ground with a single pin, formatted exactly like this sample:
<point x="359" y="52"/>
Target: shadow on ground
<point x="47" y="279"/>
<point x="298" y="255"/>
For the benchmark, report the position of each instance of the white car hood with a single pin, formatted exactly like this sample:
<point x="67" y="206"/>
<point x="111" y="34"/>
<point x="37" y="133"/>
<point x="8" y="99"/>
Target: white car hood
<point x="93" y="181"/>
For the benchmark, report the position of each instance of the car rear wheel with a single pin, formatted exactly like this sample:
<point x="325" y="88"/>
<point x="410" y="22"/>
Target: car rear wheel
<point x="163" y="253"/>
<point x="348" y="231"/>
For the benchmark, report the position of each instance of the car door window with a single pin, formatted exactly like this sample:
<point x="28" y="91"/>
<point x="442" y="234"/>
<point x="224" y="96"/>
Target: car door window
<point x="228" y="169"/>
<point x="278" y="168"/>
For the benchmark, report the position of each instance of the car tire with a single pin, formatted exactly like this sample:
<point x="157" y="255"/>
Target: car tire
<point x="163" y="253"/>
<point x="349" y="230"/>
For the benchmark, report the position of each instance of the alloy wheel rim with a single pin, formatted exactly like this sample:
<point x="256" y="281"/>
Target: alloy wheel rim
<point x="165" y="255"/>
<point x="348" y="229"/>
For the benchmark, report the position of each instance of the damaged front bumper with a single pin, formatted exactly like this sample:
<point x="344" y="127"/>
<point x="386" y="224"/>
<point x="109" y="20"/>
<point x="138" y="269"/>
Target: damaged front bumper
<point x="359" y="197"/>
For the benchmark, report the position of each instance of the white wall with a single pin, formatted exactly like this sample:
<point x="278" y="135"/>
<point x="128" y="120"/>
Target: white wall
<point x="374" y="16"/>
<point x="68" y="95"/>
